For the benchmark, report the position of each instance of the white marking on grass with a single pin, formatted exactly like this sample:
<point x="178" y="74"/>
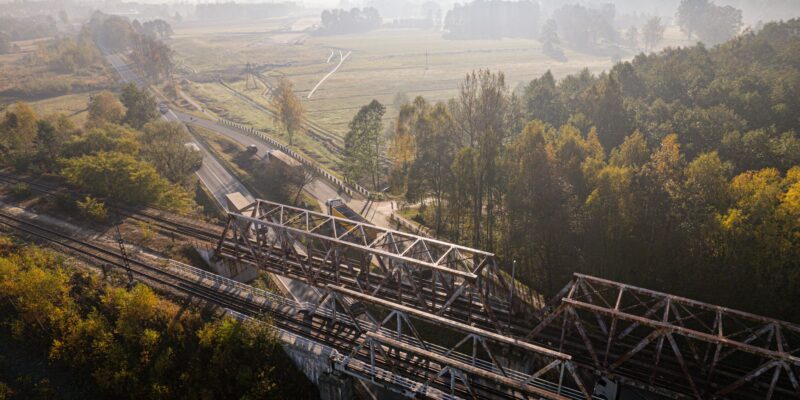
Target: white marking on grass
<point x="330" y="73"/>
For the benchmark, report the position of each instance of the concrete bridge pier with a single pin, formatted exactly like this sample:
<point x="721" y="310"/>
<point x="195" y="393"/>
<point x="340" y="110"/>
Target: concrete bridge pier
<point x="241" y="272"/>
<point x="316" y="363"/>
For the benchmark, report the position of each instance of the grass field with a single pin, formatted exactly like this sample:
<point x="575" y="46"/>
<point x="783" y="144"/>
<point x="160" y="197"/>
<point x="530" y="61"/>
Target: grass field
<point x="71" y="105"/>
<point x="383" y="63"/>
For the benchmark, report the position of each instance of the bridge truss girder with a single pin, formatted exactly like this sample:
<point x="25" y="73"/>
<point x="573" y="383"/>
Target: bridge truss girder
<point x="430" y="275"/>
<point x="673" y="345"/>
<point x="479" y="355"/>
<point x="659" y="342"/>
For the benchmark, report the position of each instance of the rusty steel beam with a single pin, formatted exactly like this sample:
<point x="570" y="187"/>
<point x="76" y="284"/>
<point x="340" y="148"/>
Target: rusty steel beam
<point x="713" y="352"/>
<point x="540" y="360"/>
<point x="450" y="324"/>
<point x="430" y="275"/>
<point x="463" y="367"/>
<point x="668" y="344"/>
<point x="528" y="354"/>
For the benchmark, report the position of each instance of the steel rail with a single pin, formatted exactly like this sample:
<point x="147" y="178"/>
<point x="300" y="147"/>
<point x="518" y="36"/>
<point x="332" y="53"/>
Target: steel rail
<point x="187" y="285"/>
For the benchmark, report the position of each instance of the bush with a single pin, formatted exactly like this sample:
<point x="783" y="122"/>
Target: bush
<point x="146" y="231"/>
<point x="21" y="190"/>
<point x="64" y="203"/>
<point x="123" y="178"/>
<point x="554" y="52"/>
<point x="93" y="209"/>
<point x="132" y="344"/>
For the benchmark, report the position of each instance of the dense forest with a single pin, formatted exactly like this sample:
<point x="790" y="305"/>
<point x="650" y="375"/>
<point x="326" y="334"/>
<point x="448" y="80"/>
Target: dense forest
<point x="678" y="171"/>
<point x="339" y="21"/>
<point x="127" y="344"/>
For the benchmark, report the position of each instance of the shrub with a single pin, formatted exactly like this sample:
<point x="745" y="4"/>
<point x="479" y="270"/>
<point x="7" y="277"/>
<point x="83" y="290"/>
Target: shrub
<point x="93" y="209"/>
<point x="21" y="190"/>
<point x="146" y="231"/>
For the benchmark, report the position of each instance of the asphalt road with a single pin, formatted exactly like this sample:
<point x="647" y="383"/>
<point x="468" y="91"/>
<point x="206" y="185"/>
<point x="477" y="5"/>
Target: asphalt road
<point x="319" y="188"/>
<point x="214" y="176"/>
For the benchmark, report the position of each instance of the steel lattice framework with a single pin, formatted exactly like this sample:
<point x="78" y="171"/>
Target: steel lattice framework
<point x="475" y="357"/>
<point x="430" y="275"/>
<point x="670" y="345"/>
<point x="673" y="345"/>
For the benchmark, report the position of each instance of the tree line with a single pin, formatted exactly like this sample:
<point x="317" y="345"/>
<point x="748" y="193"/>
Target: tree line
<point x="677" y="171"/>
<point x="339" y="21"/>
<point x="122" y="153"/>
<point x="586" y="28"/>
<point x="149" y="53"/>
<point x="133" y="344"/>
<point x="492" y="20"/>
<point x="27" y="28"/>
<point x="711" y="23"/>
<point x="71" y="55"/>
<point x="230" y="10"/>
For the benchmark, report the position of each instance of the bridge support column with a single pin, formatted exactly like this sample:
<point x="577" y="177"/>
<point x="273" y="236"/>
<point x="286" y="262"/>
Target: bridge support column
<point x="315" y="362"/>
<point x="335" y="386"/>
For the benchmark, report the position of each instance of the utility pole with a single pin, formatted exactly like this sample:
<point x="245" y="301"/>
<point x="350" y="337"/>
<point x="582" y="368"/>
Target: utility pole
<point x="511" y="295"/>
<point x="250" y="76"/>
<point x="125" y="262"/>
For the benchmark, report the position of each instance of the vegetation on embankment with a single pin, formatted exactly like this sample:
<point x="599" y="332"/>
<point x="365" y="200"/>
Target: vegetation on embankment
<point x="678" y="171"/>
<point x="274" y="181"/>
<point x="127" y="344"/>
<point x="122" y="152"/>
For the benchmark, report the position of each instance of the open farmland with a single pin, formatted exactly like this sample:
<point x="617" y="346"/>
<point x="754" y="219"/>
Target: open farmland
<point x="74" y="106"/>
<point x="381" y="65"/>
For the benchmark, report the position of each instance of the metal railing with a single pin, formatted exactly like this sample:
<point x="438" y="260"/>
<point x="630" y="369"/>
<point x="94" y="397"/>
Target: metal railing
<point x="344" y="184"/>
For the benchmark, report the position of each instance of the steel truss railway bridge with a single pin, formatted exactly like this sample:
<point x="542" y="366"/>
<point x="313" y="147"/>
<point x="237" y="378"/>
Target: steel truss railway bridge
<point x="430" y="319"/>
<point x="392" y="295"/>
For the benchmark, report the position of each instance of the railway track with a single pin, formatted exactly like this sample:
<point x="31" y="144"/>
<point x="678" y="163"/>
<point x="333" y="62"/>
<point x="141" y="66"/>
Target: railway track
<point x="204" y="232"/>
<point x="209" y="233"/>
<point x="343" y="340"/>
<point x="320" y="328"/>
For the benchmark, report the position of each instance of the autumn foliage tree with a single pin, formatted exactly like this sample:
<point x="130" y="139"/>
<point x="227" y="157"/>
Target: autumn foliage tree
<point x="153" y="57"/>
<point x="18" y="132"/>
<point x="140" y="106"/>
<point x="289" y="112"/>
<point x="164" y="146"/>
<point x="105" y="107"/>
<point x="123" y="178"/>
<point x="676" y="171"/>
<point x="653" y="33"/>
<point x="133" y="344"/>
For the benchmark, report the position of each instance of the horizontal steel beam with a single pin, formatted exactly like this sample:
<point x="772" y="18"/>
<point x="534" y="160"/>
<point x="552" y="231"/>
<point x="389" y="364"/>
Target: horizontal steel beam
<point x="691" y="302"/>
<point x="439" y="359"/>
<point x="366" y="249"/>
<point x="448" y="323"/>
<point x="269" y="204"/>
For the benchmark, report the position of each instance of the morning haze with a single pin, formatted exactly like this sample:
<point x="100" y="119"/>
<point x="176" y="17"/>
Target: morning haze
<point x="341" y="199"/>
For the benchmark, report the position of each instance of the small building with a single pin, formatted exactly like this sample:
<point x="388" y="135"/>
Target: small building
<point x="236" y="202"/>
